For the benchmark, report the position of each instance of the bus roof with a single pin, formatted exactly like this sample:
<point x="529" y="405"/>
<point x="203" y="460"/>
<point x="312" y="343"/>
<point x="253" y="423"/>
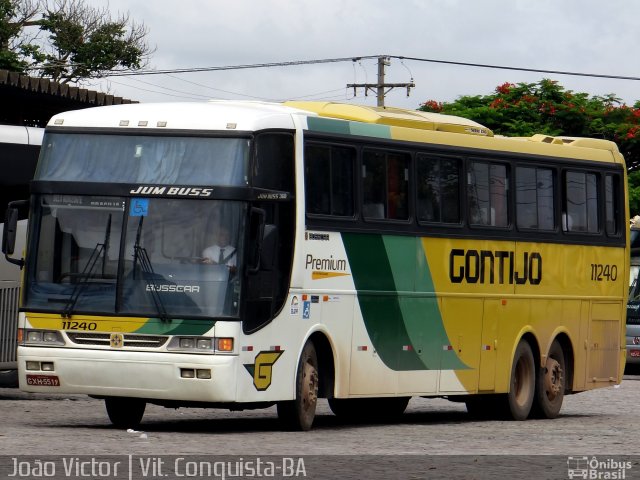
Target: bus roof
<point x="381" y="122"/>
<point x="213" y="115"/>
<point x="394" y="117"/>
<point x="418" y="126"/>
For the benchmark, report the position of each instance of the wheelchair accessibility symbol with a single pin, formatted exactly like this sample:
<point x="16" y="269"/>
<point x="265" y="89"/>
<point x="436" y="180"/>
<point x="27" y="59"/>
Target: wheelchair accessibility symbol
<point x="139" y="207"/>
<point x="306" y="310"/>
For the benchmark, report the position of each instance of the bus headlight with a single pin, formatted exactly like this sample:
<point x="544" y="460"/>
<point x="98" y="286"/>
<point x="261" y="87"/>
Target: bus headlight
<point x="200" y="345"/>
<point x="42" y="337"/>
<point x="187" y="343"/>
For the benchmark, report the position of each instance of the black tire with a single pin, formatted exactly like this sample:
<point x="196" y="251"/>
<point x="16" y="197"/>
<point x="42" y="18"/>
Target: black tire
<point x="369" y="409"/>
<point x="125" y="412"/>
<point x="298" y="414"/>
<point x="522" y="384"/>
<point x="551" y="384"/>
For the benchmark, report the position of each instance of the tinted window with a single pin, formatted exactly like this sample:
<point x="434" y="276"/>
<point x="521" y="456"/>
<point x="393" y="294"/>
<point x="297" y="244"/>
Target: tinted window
<point x="144" y="159"/>
<point x="581" y="203"/>
<point x="329" y="180"/>
<point x="273" y="165"/>
<point x="438" y="189"/>
<point x="487" y="193"/>
<point x="611" y="197"/>
<point x="534" y="198"/>
<point x="386" y="185"/>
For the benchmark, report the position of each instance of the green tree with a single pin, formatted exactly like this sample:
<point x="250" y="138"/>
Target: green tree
<point x="67" y="40"/>
<point x="546" y="107"/>
<point x="12" y="47"/>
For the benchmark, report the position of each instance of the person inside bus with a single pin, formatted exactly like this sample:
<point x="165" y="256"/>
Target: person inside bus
<point x="221" y="252"/>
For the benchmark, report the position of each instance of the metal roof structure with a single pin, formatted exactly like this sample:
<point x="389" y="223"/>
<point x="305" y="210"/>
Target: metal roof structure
<point x="32" y="101"/>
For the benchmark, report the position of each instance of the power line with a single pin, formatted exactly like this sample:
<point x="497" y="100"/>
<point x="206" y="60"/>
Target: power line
<point x="240" y="67"/>
<point x="368" y="57"/>
<point x="520" y="69"/>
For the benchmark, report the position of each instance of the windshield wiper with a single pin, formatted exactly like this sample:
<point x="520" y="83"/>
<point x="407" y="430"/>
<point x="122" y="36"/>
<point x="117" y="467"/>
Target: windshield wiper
<point x="78" y="289"/>
<point x="141" y="256"/>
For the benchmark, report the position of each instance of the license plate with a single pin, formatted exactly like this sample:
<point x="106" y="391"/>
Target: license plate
<point x="43" y="380"/>
<point x="634" y="353"/>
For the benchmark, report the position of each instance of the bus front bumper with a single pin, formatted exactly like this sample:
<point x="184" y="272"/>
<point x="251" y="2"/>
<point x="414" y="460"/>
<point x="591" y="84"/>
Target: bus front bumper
<point x="151" y="375"/>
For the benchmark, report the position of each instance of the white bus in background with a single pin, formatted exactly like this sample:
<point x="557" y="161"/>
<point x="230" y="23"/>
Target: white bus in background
<point x="19" y="149"/>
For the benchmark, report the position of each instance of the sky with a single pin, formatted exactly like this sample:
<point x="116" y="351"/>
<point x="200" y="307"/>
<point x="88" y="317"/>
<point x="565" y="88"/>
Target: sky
<point x="587" y="36"/>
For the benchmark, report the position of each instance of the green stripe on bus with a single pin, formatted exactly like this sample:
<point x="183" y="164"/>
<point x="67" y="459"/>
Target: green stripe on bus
<point x="345" y="127"/>
<point x="419" y="305"/>
<point x="155" y="326"/>
<point x="399" y="308"/>
<point x="369" y="130"/>
<point x="328" y="125"/>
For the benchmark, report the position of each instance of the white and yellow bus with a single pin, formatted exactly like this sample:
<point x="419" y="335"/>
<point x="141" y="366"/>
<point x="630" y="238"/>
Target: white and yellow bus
<point x="240" y="255"/>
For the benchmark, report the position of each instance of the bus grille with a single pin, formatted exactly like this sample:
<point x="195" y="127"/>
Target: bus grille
<point x="130" y="340"/>
<point x="9" y="295"/>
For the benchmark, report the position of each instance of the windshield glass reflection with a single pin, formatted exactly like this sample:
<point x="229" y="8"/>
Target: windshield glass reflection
<point x="163" y="258"/>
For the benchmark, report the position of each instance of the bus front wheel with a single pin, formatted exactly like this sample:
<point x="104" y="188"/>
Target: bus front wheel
<point x="125" y="412"/>
<point x="551" y="384"/>
<point x="522" y="384"/>
<point x="298" y="414"/>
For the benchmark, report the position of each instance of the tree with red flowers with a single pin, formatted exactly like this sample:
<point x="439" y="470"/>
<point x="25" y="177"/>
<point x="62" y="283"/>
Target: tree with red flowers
<point x="545" y="107"/>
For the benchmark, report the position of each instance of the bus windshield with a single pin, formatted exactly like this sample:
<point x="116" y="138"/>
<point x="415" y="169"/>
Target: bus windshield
<point x="144" y="159"/>
<point x="153" y="257"/>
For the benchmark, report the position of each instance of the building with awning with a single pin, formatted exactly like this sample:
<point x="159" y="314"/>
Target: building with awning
<point x="30" y="102"/>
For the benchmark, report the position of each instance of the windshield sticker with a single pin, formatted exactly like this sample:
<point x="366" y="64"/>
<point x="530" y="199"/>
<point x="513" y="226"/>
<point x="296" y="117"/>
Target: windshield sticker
<point x="139" y="207"/>
<point x="295" y="306"/>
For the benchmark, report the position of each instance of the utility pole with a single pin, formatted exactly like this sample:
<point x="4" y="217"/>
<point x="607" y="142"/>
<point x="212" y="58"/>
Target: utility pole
<point x="379" y="88"/>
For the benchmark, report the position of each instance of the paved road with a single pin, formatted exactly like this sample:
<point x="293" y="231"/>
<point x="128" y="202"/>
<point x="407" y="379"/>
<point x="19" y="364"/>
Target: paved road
<point x="604" y="422"/>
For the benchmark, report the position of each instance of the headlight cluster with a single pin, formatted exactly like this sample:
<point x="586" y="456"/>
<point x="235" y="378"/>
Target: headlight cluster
<point x="29" y="336"/>
<point x="201" y="344"/>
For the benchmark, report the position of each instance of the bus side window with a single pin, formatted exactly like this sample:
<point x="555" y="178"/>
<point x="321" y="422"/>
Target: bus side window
<point x="328" y="180"/>
<point x="487" y="194"/>
<point x="535" y="198"/>
<point x="273" y="166"/>
<point x="385" y="177"/>
<point x="438" y="192"/>
<point x="612" y="204"/>
<point x="581" y="202"/>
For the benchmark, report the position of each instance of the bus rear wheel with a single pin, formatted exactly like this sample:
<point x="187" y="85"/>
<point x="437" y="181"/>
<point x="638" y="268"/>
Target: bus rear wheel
<point x="298" y="414"/>
<point x="522" y="384"/>
<point x="125" y="412"/>
<point x="551" y="384"/>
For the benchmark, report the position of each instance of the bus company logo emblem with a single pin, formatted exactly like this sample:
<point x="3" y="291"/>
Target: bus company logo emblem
<point x="116" y="340"/>
<point x="262" y="368"/>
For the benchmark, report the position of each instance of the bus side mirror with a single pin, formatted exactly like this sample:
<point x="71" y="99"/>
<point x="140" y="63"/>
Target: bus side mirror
<point x="10" y="231"/>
